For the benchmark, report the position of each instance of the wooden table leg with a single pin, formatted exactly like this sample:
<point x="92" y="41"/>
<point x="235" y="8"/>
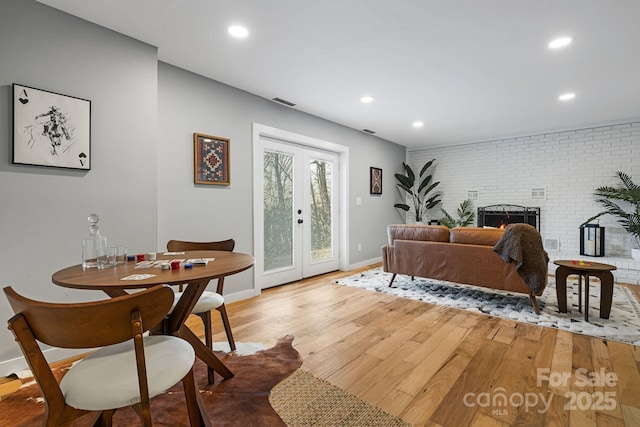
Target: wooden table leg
<point x="586" y="297"/>
<point x="204" y="353"/>
<point x="175" y="325"/>
<point x="579" y="292"/>
<point x="606" y="293"/>
<point x="561" y="287"/>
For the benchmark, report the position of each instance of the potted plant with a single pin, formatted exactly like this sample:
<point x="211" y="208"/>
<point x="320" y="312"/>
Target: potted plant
<point x="628" y="193"/>
<point x="418" y="190"/>
<point x="466" y="216"/>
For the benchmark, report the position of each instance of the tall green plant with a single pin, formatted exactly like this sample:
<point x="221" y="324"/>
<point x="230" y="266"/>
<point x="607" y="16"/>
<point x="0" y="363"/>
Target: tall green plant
<point x="466" y="216"/>
<point x="626" y="192"/>
<point x="418" y="190"/>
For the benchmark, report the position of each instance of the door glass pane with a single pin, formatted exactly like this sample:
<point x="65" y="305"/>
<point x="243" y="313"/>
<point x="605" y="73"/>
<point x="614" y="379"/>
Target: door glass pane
<point x="321" y="211"/>
<point x="278" y="211"/>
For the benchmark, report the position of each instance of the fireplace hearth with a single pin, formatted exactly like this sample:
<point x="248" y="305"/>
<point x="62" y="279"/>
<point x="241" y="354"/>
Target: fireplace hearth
<point x="500" y="216"/>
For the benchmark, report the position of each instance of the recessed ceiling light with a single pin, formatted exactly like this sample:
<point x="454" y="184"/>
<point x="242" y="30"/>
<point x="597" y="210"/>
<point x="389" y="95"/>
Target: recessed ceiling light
<point x="566" y="96"/>
<point x="238" y="31"/>
<point x="366" y="99"/>
<point x="418" y="124"/>
<point x="560" y="42"/>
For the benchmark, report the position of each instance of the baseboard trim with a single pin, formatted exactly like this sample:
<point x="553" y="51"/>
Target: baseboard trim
<point x="239" y="296"/>
<point x="364" y="263"/>
<point x="19" y="364"/>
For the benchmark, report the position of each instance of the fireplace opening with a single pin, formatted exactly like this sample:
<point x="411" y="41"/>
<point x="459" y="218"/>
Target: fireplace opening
<point x="499" y="216"/>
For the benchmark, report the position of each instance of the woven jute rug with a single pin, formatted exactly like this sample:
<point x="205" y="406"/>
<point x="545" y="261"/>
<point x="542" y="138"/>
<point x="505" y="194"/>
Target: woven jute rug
<point x="304" y="400"/>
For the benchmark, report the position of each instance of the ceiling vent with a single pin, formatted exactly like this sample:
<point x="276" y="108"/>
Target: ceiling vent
<point x="368" y="131"/>
<point x="284" y="101"/>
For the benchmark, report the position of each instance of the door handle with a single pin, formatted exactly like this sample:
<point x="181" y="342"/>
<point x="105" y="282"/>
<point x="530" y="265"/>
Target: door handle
<point x="300" y="221"/>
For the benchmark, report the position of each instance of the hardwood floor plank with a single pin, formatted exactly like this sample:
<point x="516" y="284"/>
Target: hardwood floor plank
<point x="511" y="379"/>
<point x="624" y="366"/>
<point x="630" y="415"/>
<point x="392" y="342"/>
<point x="395" y="402"/>
<point x="420" y="409"/>
<point x="562" y="362"/>
<point x="482" y="420"/>
<point x="599" y="350"/>
<point x="418" y="361"/>
<point x="461" y="402"/>
<point x="431" y="356"/>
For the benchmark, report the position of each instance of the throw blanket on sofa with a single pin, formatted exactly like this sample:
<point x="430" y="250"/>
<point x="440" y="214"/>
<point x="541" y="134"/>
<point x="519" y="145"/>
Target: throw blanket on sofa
<point x="522" y="243"/>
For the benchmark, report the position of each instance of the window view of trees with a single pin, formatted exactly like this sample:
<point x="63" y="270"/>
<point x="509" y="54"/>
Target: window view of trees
<point x="279" y="210"/>
<point x="321" y="236"/>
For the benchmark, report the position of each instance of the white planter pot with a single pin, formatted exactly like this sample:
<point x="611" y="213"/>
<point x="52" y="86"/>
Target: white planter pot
<point x="635" y="254"/>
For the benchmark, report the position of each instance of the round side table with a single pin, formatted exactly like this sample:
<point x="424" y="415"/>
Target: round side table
<point x="585" y="269"/>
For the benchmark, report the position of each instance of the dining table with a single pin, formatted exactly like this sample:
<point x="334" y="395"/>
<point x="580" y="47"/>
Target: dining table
<point x="194" y="269"/>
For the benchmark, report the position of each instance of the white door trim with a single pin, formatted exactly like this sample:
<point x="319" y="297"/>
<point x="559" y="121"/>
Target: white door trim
<point x="342" y="151"/>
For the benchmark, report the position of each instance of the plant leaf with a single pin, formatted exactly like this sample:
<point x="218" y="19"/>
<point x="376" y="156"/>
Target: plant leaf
<point x="424" y="183"/>
<point x="410" y="174"/>
<point x="405" y="188"/>
<point x="426" y="166"/>
<point x="404" y="180"/>
<point x="431" y="187"/>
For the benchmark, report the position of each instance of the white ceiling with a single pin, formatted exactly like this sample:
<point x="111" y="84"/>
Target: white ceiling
<point x="472" y="70"/>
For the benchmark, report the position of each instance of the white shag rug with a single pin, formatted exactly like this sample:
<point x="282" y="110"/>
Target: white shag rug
<point x="623" y="323"/>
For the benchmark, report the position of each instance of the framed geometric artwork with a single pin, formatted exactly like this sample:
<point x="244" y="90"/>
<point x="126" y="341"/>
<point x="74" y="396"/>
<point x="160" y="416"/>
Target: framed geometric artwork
<point x="50" y="129"/>
<point x="375" y="181"/>
<point x="211" y="160"/>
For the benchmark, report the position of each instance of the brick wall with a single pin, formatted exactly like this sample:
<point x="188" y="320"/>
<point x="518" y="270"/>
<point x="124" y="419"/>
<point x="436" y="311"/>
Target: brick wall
<point x="569" y="165"/>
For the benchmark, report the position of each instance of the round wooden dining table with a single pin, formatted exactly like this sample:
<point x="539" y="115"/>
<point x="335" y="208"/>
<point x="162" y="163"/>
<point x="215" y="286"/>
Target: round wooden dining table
<point x="130" y="275"/>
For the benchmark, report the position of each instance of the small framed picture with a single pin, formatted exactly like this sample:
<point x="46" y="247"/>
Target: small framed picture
<point x="50" y="129"/>
<point x="375" y="180"/>
<point x="211" y="160"/>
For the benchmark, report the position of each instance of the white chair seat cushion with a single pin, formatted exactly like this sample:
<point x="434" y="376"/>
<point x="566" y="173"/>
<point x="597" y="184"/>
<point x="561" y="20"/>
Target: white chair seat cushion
<point x="207" y="301"/>
<point x="108" y="377"/>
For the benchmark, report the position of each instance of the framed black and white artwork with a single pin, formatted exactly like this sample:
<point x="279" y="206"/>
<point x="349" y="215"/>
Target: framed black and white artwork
<point x="51" y="129"/>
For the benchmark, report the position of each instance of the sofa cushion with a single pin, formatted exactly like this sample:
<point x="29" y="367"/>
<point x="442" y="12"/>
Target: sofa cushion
<point x="432" y="233"/>
<point x="476" y="235"/>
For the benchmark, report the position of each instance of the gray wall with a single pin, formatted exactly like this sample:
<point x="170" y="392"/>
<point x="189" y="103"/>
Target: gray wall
<point x="190" y="103"/>
<point x="43" y="212"/>
<point x="141" y="182"/>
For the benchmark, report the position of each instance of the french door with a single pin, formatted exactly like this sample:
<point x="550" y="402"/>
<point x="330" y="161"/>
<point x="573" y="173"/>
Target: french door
<point x="299" y="235"/>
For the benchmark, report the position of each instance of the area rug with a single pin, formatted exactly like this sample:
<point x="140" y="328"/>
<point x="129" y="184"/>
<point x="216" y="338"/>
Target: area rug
<point x="241" y="401"/>
<point x="303" y="400"/>
<point x="623" y="324"/>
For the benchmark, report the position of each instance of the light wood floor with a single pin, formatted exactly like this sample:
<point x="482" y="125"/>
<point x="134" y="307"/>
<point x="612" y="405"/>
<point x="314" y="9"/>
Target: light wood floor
<point x="437" y="366"/>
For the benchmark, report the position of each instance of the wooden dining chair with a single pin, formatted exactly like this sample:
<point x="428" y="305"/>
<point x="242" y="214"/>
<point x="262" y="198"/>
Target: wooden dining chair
<point x="127" y="370"/>
<point x="208" y="300"/>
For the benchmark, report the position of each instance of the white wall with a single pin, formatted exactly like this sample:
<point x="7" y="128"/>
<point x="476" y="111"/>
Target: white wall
<point x="141" y="182"/>
<point x="570" y="165"/>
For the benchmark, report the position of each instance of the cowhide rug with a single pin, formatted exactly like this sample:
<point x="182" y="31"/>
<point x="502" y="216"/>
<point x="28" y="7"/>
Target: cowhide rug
<point x="241" y="401"/>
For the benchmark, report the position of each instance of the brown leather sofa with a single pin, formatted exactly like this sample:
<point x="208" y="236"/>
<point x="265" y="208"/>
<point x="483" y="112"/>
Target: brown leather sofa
<point x="462" y="255"/>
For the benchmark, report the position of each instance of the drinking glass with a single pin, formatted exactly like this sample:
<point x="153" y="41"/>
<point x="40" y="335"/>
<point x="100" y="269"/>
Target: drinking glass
<point x="108" y="260"/>
<point x="120" y="254"/>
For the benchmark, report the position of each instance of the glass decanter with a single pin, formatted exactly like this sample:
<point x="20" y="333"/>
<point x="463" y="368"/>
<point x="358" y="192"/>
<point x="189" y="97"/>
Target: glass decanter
<point x="94" y="246"/>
